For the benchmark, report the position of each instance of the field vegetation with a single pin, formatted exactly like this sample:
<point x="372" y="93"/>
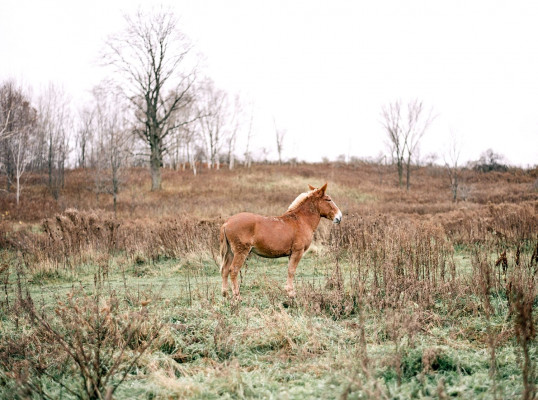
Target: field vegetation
<point x="413" y="295"/>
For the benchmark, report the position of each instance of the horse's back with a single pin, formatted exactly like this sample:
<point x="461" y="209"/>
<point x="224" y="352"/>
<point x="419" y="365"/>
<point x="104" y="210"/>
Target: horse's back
<point x="240" y="226"/>
<point x="242" y="220"/>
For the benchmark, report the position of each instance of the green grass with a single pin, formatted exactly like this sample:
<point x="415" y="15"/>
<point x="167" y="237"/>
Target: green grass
<point x="267" y="347"/>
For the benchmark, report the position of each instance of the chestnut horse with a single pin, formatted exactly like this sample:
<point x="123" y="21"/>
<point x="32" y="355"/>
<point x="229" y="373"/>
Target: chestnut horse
<point x="289" y="235"/>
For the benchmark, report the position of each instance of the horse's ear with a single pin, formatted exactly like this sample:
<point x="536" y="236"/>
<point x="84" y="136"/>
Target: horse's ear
<point x="323" y="188"/>
<point x="311" y="187"/>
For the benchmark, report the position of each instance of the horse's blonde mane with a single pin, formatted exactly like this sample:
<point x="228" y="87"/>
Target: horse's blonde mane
<point x="300" y="200"/>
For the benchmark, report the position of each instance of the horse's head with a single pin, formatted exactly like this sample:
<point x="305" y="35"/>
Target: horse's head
<point x="327" y="208"/>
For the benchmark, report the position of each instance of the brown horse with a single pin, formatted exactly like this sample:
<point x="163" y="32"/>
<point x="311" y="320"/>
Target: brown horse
<point x="289" y="235"/>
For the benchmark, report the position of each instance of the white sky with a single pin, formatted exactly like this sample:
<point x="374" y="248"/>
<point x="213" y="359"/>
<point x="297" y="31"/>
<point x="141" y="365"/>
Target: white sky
<point x="322" y="69"/>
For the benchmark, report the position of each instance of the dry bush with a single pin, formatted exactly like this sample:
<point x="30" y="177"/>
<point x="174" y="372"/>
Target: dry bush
<point x="396" y="258"/>
<point x="289" y="336"/>
<point x="522" y="292"/>
<point x="485" y="283"/>
<point x="505" y="223"/>
<point x="169" y="237"/>
<point x="75" y="233"/>
<point x="75" y="237"/>
<point x="332" y="299"/>
<point x="87" y="346"/>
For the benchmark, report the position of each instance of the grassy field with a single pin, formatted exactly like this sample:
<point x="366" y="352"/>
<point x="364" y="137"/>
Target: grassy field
<point x="411" y="296"/>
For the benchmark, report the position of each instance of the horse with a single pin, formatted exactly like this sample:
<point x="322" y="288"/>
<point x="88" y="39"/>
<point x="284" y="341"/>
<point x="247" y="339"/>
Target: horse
<point x="288" y="235"/>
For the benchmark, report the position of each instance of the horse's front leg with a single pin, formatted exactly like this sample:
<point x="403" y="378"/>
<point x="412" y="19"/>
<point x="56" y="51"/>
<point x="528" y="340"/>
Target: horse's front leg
<point x="292" y="266"/>
<point x="237" y="263"/>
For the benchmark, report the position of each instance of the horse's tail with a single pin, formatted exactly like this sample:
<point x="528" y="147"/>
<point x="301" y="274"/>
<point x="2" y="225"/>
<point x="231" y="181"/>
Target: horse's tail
<point x="224" y="246"/>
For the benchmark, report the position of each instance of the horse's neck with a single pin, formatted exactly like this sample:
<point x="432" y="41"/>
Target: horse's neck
<point x="309" y="214"/>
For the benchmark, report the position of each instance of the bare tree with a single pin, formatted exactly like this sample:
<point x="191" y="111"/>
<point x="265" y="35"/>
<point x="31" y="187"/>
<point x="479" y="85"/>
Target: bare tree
<point x="54" y="124"/>
<point x="6" y="118"/>
<point x="451" y="158"/>
<point x="280" y="134"/>
<point x="248" y="151"/>
<point x="392" y="123"/>
<point x="212" y="108"/>
<point x="84" y="135"/>
<point x="114" y="139"/>
<point x="231" y="147"/>
<point x="181" y="141"/>
<point x="10" y="102"/>
<point x="418" y="121"/>
<point x="20" y="150"/>
<point x="189" y="143"/>
<point x="151" y="54"/>
<point x="19" y="120"/>
<point x="405" y="129"/>
<point x="234" y="123"/>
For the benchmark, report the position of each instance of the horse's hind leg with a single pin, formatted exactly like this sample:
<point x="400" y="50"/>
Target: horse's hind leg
<point x="237" y="263"/>
<point x="225" y="271"/>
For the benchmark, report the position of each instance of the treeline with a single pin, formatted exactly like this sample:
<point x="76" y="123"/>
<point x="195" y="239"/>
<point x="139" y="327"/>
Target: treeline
<point x="155" y="106"/>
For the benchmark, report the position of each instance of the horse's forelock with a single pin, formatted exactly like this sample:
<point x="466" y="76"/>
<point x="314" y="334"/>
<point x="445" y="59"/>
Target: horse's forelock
<point x="300" y="200"/>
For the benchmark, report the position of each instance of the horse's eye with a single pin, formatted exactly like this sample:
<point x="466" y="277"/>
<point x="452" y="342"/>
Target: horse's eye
<point x="328" y="200"/>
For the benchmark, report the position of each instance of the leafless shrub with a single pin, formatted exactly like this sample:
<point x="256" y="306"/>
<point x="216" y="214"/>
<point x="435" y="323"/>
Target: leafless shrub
<point x="93" y="339"/>
<point x="503" y="224"/>
<point x="170" y="237"/>
<point x="74" y="234"/>
<point x="521" y="291"/>
<point x="485" y="281"/>
<point x="399" y="257"/>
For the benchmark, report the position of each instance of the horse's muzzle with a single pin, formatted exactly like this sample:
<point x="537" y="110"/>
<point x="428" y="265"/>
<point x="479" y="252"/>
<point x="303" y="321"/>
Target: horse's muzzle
<point x="337" y="218"/>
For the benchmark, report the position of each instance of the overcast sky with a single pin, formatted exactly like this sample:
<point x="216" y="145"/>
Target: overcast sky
<point x="321" y="69"/>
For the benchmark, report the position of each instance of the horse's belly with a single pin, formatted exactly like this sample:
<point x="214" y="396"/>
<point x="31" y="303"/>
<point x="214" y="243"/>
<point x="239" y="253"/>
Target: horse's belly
<point x="273" y="242"/>
<point x="270" y="252"/>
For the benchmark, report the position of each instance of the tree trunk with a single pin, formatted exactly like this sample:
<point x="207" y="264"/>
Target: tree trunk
<point x="155" y="165"/>
<point x="155" y="159"/>
<point x="400" y="171"/>
<point x="9" y="171"/>
<point x="408" y="172"/>
<point x="49" y="164"/>
<point x="18" y="188"/>
<point x="455" y="187"/>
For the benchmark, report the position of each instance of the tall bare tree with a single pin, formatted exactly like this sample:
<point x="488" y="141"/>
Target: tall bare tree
<point x="280" y="134"/>
<point x="18" y="118"/>
<point x="54" y="124"/>
<point x="10" y="104"/>
<point x="212" y="108"/>
<point x="84" y="135"/>
<point x="189" y="137"/>
<point x="236" y="115"/>
<point x="391" y="119"/>
<point x="451" y="158"/>
<point x="405" y="129"/>
<point x="114" y="132"/>
<point x="151" y="56"/>
<point x="248" y="151"/>
<point x="19" y="145"/>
